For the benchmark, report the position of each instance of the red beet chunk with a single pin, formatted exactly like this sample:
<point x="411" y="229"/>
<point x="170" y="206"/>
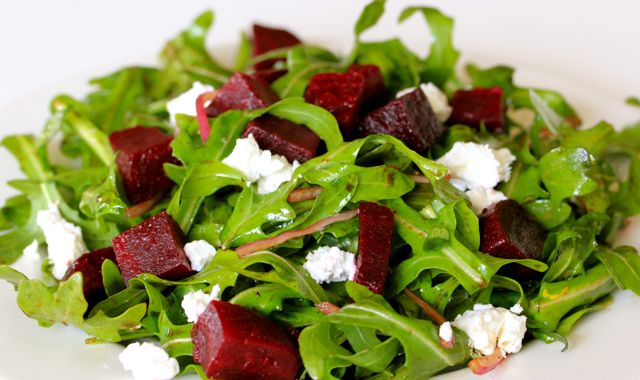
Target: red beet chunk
<point x="141" y="153"/>
<point x="408" y="118"/>
<point x="90" y="265"/>
<point x="266" y="39"/>
<point x="374" y="246"/>
<point x="268" y="75"/>
<point x="232" y="343"/>
<point x="507" y="231"/>
<point x="340" y="94"/>
<point x="154" y="246"/>
<point x="242" y="92"/>
<point x="374" y="93"/>
<point x="478" y="106"/>
<point x="293" y="141"/>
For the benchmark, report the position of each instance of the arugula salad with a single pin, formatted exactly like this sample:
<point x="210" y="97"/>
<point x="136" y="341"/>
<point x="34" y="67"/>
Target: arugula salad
<point x="304" y="215"/>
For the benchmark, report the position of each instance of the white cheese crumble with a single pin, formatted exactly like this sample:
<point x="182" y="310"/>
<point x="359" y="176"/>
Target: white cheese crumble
<point x="330" y="264"/>
<point x="64" y="240"/>
<point x="185" y="103"/>
<point x="437" y="99"/>
<point x="200" y="253"/>
<point x="446" y="332"/>
<point x="257" y="165"/>
<point x="490" y="327"/>
<point x="30" y="263"/>
<point x="195" y="303"/>
<point x="147" y="361"/>
<point x="482" y="198"/>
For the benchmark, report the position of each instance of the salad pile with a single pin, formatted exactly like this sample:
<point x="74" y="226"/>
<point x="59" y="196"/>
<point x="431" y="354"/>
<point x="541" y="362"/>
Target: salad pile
<point x="304" y="215"/>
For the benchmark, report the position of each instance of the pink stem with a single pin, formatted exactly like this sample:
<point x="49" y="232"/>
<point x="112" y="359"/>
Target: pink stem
<point x="304" y="194"/>
<point x="261" y="245"/>
<point x="201" y="114"/>
<point x="327" y="308"/>
<point x="143" y="207"/>
<point x="484" y="364"/>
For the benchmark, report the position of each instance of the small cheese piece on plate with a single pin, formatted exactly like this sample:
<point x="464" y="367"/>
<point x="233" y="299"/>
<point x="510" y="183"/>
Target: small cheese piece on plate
<point x="330" y="264"/>
<point x="195" y="303"/>
<point x="200" y="253"/>
<point x="185" y="103"/>
<point x="147" y="361"/>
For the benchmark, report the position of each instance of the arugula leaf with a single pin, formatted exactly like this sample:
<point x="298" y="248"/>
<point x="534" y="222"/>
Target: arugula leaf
<point x="623" y="263"/>
<point x="303" y="62"/>
<point x="565" y="172"/>
<point x="369" y="17"/>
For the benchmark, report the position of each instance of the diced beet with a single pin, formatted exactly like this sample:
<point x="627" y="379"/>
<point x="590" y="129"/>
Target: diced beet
<point x="141" y="152"/>
<point x="90" y="265"/>
<point x="268" y="75"/>
<point x="340" y="94"/>
<point x="408" y="118"/>
<point x="242" y="92"/>
<point x="154" y="246"/>
<point x="232" y="342"/>
<point x="507" y="231"/>
<point x="374" y="245"/>
<point x="477" y="106"/>
<point x="266" y="39"/>
<point x="293" y="141"/>
<point x="374" y="93"/>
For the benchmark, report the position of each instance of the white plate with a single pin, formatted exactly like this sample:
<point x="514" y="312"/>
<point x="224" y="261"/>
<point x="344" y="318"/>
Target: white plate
<point x="586" y="49"/>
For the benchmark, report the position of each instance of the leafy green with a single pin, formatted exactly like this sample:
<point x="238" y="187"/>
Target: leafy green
<point x="623" y="264"/>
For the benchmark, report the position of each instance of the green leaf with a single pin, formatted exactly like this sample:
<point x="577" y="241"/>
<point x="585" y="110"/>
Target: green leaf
<point x="265" y="298"/>
<point x="565" y="172"/>
<point x="12" y="276"/>
<point x="623" y="263"/>
<point x="112" y="278"/>
<point x="567" y="323"/>
<point x="103" y="199"/>
<point x="303" y="62"/>
<point x="548" y="213"/>
<point x="95" y="139"/>
<point x="496" y="76"/>
<point x="524" y="184"/>
<point x="369" y="17"/>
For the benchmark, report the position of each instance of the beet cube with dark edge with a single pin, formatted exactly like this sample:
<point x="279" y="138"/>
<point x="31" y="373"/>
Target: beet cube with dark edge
<point x="141" y="153"/>
<point x="242" y="92"/>
<point x="154" y="246"/>
<point x="478" y="106"/>
<point x="408" y="118"/>
<point x="374" y="92"/>
<point x="374" y="245"/>
<point x="90" y="265"/>
<point x="266" y="39"/>
<point x="507" y="231"/>
<point x="232" y="342"/>
<point x="293" y="141"/>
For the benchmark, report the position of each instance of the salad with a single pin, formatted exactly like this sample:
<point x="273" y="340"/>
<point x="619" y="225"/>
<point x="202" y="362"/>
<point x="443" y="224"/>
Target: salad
<point x="305" y="215"/>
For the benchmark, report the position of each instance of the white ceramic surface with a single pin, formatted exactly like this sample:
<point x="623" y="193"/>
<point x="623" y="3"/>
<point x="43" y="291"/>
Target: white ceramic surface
<point x="587" y="49"/>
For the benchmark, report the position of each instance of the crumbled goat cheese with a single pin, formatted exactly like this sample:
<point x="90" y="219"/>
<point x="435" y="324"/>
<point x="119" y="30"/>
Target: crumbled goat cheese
<point x="490" y="327"/>
<point x="195" y="303"/>
<point x="185" y="103"/>
<point x="330" y="264"/>
<point x="437" y="99"/>
<point x="147" y="361"/>
<point x="199" y="252"/>
<point x="64" y="240"/>
<point x="482" y="198"/>
<point x="30" y="263"/>
<point x="446" y="332"/>
<point x="257" y="165"/>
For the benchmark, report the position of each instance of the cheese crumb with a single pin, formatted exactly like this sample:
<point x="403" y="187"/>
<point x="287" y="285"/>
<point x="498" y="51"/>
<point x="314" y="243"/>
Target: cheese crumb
<point x="147" y="361"/>
<point x="64" y="240"/>
<point x="30" y="263"/>
<point x="330" y="264"/>
<point x="195" y="303"/>
<point x="437" y="99"/>
<point x="482" y="198"/>
<point x="490" y="327"/>
<point x="257" y="165"/>
<point x="185" y="103"/>
<point x="446" y="332"/>
<point x="200" y="253"/>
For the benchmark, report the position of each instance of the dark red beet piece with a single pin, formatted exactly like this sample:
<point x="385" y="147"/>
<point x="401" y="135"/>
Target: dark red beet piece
<point x="374" y="93"/>
<point x="233" y="343"/>
<point x="477" y="106"/>
<point x="154" y="246"/>
<point x="374" y="245"/>
<point x="141" y="152"/>
<point x="90" y="265"/>
<point x="242" y="92"/>
<point x="293" y="141"/>
<point x="340" y="94"/>
<point x="408" y="118"/>
<point x="507" y="231"/>
<point x="266" y="39"/>
<point x="268" y="75"/>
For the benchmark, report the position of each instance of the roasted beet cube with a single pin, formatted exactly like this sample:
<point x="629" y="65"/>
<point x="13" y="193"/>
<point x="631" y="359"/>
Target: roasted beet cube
<point x="408" y="118"/>
<point x="141" y="152"/>
<point x="231" y="342"/>
<point x="507" y="231"/>
<point x="90" y="265"/>
<point x="266" y="39"/>
<point x="242" y="92"/>
<point x="478" y="106"/>
<point x="268" y="75"/>
<point x="374" y="93"/>
<point x="374" y="245"/>
<point x="154" y="246"/>
<point x="293" y="141"/>
<point x="340" y="94"/>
